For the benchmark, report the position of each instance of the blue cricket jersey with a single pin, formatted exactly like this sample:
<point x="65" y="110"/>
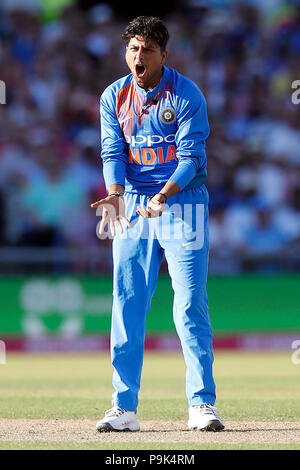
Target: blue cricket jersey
<point x="166" y="142"/>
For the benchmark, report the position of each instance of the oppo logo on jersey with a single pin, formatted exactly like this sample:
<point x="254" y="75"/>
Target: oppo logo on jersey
<point x="149" y="140"/>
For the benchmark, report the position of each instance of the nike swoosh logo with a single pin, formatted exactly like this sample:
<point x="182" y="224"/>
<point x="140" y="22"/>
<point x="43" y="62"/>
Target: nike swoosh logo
<point x="188" y="243"/>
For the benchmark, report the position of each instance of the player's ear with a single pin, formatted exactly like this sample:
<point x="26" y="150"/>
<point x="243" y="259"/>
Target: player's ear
<point x="164" y="56"/>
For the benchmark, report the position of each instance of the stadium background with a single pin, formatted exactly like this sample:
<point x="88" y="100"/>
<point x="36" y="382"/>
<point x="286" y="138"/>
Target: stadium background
<point x="56" y="58"/>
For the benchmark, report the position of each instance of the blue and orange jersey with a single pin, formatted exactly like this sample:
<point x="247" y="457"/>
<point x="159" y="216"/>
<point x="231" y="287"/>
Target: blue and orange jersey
<point x="145" y="134"/>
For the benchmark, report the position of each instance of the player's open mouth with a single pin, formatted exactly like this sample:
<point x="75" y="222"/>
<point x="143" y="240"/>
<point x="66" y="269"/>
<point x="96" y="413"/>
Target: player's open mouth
<point x="140" y="70"/>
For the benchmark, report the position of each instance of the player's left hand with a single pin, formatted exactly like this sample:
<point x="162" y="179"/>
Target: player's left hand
<point x="154" y="208"/>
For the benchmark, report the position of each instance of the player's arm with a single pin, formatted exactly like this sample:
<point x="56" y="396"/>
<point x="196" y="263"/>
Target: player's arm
<point x="114" y="155"/>
<point x="193" y="129"/>
<point x="192" y="132"/>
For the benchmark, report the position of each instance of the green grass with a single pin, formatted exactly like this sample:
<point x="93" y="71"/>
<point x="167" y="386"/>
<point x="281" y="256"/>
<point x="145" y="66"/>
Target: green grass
<point x="39" y="445"/>
<point x="250" y="386"/>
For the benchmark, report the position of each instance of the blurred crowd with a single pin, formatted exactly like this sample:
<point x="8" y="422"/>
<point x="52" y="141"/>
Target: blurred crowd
<point x="243" y="55"/>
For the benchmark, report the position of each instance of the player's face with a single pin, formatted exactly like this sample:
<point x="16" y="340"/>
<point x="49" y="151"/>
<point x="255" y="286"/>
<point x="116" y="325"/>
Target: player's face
<point x="145" y="60"/>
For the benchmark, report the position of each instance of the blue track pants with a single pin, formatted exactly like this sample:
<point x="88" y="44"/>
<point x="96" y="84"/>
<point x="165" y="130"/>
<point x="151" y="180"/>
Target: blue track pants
<point x="181" y="234"/>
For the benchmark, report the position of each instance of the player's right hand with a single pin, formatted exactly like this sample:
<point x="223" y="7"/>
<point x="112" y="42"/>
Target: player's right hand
<point x="113" y="213"/>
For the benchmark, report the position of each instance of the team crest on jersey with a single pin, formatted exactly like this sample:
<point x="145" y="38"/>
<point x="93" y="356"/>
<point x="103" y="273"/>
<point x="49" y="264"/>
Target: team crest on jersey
<point x="168" y="115"/>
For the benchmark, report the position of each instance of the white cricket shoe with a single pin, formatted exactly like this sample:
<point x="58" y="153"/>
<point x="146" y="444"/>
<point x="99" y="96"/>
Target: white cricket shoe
<point x="205" y="418"/>
<point x="117" y="419"/>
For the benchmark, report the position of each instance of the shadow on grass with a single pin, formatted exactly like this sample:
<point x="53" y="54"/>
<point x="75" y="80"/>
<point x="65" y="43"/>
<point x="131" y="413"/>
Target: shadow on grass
<point x="226" y="430"/>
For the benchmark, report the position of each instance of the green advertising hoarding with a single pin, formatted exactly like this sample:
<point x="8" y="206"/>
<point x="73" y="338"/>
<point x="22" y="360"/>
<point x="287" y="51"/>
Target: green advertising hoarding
<point x="66" y="305"/>
<point x="76" y="305"/>
<point x="47" y="305"/>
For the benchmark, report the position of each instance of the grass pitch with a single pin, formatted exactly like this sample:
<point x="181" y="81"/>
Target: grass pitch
<point x="53" y="402"/>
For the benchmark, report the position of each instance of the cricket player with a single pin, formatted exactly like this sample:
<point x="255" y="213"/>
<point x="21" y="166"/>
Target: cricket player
<point x="153" y="130"/>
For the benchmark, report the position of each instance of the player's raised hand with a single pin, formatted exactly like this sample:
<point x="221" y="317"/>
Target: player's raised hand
<point x="113" y="213"/>
<point x="154" y="208"/>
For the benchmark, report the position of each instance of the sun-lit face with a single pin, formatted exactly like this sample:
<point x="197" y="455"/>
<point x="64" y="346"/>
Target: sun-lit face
<point x="145" y="60"/>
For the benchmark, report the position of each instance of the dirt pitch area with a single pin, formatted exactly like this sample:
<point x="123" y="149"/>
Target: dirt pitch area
<point x="83" y="430"/>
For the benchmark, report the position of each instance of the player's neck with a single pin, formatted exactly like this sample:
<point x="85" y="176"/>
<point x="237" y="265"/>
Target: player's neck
<point x="156" y="80"/>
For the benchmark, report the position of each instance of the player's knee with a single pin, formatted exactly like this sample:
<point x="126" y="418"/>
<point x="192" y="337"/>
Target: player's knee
<point x="191" y="310"/>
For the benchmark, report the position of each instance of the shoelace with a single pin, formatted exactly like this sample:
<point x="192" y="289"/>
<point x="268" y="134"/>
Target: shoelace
<point x="209" y="409"/>
<point x="115" y="411"/>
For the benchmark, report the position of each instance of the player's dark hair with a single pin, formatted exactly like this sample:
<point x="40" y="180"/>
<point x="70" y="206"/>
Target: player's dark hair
<point x="149" y="27"/>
